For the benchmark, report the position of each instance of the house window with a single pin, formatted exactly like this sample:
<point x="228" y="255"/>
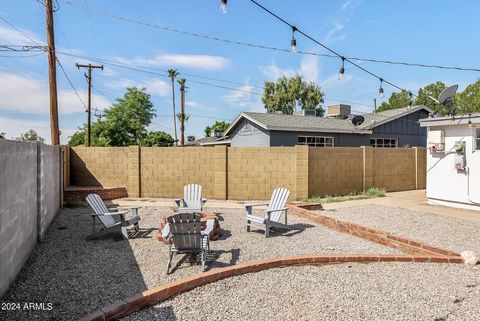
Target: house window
<point x="476" y="139"/>
<point x="316" y="141"/>
<point x="384" y="142"/>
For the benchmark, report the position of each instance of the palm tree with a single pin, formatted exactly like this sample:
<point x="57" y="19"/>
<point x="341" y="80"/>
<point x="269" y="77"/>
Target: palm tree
<point x="181" y="82"/>
<point x="173" y="73"/>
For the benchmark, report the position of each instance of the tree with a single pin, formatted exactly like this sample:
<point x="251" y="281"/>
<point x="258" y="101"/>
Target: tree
<point x="434" y="91"/>
<point x="219" y="125"/>
<point x="30" y="136"/>
<point x="287" y="94"/>
<point x="181" y="115"/>
<point x="125" y="122"/>
<point x="97" y="133"/>
<point x="396" y="100"/>
<point x="469" y="100"/>
<point x="157" y="138"/>
<point x="173" y="73"/>
<point x="127" y="119"/>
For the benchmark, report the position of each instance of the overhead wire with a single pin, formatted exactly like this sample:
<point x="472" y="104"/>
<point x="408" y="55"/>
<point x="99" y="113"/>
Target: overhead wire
<point x="194" y="34"/>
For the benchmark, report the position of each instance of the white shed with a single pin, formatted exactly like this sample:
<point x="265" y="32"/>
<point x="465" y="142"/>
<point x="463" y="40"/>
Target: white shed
<point x="453" y="160"/>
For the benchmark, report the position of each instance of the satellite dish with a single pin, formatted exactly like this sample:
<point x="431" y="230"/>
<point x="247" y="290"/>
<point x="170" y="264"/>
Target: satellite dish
<point x="445" y="97"/>
<point x="357" y="120"/>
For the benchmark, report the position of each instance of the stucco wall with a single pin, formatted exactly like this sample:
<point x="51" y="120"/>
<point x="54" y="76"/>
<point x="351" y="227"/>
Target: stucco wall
<point x="444" y="182"/>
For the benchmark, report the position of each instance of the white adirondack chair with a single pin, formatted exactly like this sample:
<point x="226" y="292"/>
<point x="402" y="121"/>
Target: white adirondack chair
<point x="113" y="221"/>
<point x="192" y="200"/>
<point x="185" y="236"/>
<point x="276" y="207"/>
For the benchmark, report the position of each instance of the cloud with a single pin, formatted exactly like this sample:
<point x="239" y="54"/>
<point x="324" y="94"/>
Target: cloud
<point x="15" y="127"/>
<point x="26" y="93"/>
<point x="341" y="19"/>
<point x="192" y="104"/>
<point x="12" y="37"/>
<point x="203" y="62"/>
<point x="241" y="97"/>
<point x="154" y="86"/>
<point x="308" y="70"/>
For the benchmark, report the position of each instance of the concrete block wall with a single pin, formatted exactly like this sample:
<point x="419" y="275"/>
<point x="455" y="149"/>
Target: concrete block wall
<point x="335" y="171"/>
<point x="394" y="168"/>
<point x="99" y="166"/>
<point x="30" y="192"/>
<point x="246" y="173"/>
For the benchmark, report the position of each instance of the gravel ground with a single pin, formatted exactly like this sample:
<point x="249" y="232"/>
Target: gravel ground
<point x="377" y="291"/>
<point x="442" y="231"/>
<point x="79" y="277"/>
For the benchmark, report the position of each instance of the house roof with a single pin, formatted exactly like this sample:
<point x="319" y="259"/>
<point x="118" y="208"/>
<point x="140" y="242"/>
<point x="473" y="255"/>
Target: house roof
<point x="204" y="141"/>
<point x="271" y="121"/>
<point x="473" y="118"/>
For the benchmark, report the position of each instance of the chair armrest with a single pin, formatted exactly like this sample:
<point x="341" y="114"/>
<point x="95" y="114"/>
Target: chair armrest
<point x="209" y="228"/>
<point x="111" y="213"/>
<point x="130" y="207"/>
<point x="279" y="209"/>
<point x="259" y="204"/>
<point x="178" y="201"/>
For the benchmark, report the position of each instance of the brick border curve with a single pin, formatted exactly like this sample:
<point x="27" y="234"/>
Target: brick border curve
<point x="415" y="252"/>
<point x="161" y="293"/>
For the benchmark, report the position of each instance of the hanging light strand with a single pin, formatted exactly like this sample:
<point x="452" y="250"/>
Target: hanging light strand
<point x="327" y="48"/>
<point x="223" y="6"/>
<point x="380" y="90"/>
<point x="293" y="43"/>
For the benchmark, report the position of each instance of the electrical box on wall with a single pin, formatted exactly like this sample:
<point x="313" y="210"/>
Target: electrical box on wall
<point x="460" y="160"/>
<point x="436" y="141"/>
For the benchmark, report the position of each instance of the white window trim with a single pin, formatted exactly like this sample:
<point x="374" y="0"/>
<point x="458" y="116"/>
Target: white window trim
<point x="377" y="138"/>
<point x="331" y="137"/>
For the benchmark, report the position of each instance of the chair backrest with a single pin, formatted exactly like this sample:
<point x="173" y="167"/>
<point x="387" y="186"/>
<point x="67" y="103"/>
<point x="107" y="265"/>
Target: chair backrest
<point x="99" y="207"/>
<point x="192" y="195"/>
<point x="277" y="202"/>
<point x="185" y="231"/>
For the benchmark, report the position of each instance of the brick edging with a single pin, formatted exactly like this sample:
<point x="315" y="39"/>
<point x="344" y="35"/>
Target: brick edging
<point x="404" y="244"/>
<point x="158" y="294"/>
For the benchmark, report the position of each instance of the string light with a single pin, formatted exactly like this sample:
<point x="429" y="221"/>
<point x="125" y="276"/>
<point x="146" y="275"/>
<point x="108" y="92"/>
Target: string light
<point x="341" y="73"/>
<point x="380" y="90"/>
<point x="410" y="100"/>
<point x="294" y="41"/>
<point x="223" y="6"/>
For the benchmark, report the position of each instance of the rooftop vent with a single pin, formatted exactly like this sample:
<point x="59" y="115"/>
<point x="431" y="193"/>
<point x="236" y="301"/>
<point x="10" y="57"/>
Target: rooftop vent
<point x="339" y="111"/>
<point x="216" y="133"/>
<point x="190" y="138"/>
<point x="305" y="112"/>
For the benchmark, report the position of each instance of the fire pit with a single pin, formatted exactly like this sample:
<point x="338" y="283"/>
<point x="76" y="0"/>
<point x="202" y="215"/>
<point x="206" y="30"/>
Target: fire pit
<point x="204" y="217"/>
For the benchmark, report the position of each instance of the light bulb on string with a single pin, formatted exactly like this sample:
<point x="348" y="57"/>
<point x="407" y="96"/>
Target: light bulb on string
<point x="341" y="73"/>
<point x="294" y="41"/>
<point x="223" y="6"/>
<point x="380" y="90"/>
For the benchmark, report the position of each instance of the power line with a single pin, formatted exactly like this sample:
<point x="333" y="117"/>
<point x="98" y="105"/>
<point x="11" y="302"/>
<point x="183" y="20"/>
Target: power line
<point x="71" y="84"/>
<point x="214" y="38"/>
<point x="24" y="56"/>
<point x="19" y="31"/>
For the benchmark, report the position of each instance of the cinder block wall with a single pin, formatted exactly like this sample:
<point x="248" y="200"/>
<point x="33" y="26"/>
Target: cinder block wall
<point x="99" y="166"/>
<point x="394" y="168"/>
<point x="253" y="172"/>
<point x="30" y="193"/>
<point x="335" y="171"/>
<point x="245" y="173"/>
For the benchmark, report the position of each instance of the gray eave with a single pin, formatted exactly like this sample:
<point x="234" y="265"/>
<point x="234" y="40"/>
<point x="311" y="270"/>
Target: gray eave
<point x="451" y="120"/>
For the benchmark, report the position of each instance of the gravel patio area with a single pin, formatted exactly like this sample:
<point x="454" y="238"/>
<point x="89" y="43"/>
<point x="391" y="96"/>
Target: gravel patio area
<point x="79" y="277"/>
<point x="450" y="233"/>
<point x="376" y="291"/>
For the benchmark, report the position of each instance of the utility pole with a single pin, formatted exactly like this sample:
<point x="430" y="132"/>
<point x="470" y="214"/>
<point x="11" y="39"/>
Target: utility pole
<point x="52" y="74"/>
<point x="182" y="114"/>
<point x="374" y="105"/>
<point x="89" y="111"/>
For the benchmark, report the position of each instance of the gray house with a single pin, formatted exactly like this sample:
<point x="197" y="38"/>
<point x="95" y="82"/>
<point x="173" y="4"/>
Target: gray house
<point x="392" y="128"/>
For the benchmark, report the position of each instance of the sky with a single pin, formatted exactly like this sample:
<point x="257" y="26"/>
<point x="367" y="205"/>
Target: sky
<point x="431" y="32"/>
